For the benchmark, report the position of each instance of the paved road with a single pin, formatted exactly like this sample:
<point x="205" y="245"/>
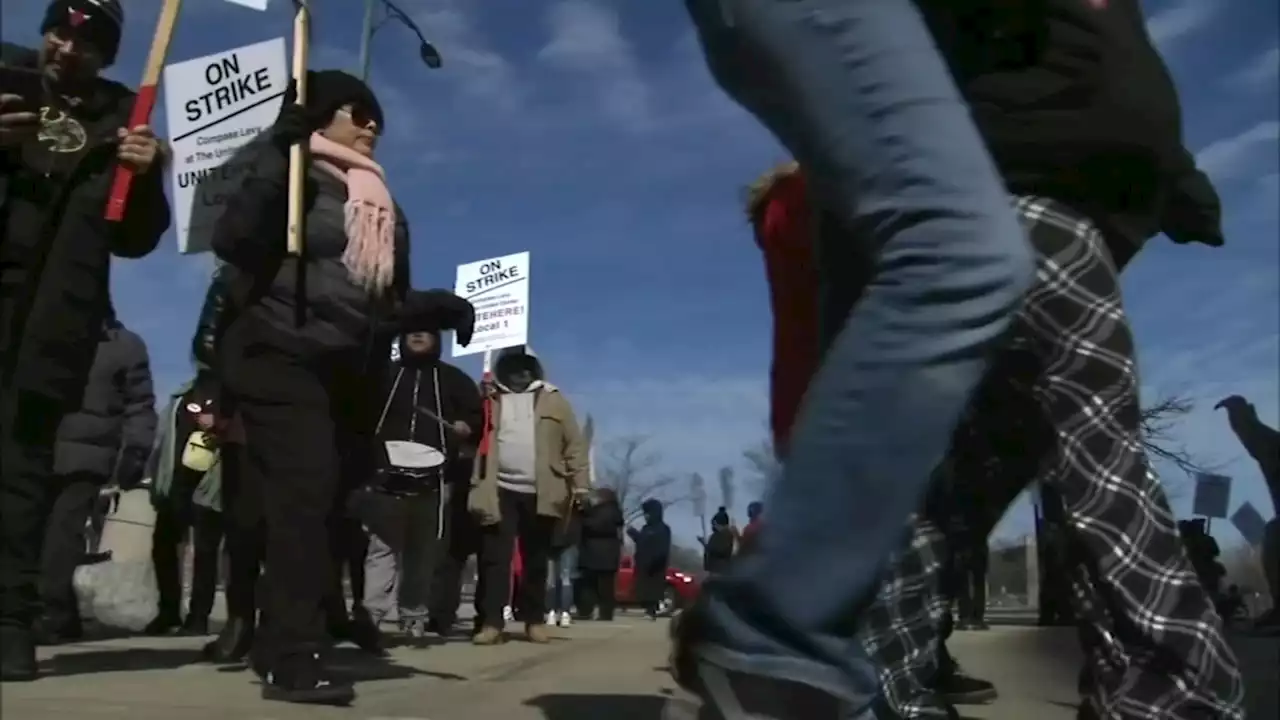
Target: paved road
<point x="591" y="672"/>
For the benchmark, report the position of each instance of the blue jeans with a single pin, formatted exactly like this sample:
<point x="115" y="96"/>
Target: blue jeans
<point x="856" y="90"/>
<point x="560" y="580"/>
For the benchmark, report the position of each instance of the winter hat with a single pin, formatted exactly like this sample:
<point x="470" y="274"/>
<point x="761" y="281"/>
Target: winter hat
<point x="101" y="22"/>
<point x="328" y="90"/>
<point x="721" y="518"/>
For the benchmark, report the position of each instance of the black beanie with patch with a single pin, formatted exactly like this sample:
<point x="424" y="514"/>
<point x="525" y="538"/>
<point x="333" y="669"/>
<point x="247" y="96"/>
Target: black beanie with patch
<point x="100" y="22"/>
<point x="328" y="90"/>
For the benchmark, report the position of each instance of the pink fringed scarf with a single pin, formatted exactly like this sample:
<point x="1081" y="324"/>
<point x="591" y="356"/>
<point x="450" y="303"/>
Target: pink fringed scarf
<point x="370" y="256"/>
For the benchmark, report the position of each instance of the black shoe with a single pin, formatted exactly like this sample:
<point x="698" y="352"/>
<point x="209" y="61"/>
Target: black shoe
<point x="231" y="645"/>
<point x="49" y="632"/>
<point x="195" y="626"/>
<point x="302" y="680"/>
<point x="979" y="625"/>
<point x="18" y="655"/>
<point x="364" y="632"/>
<point x="162" y="625"/>
<point x="962" y="625"/>
<point x="959" y="688"/>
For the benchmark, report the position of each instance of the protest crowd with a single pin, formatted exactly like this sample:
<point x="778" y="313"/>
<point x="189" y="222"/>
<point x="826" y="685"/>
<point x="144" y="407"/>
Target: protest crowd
<point x="943" y="258"/>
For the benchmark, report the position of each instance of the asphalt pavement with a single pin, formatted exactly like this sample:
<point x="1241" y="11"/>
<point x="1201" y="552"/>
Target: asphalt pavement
<point x="591" y="671"/>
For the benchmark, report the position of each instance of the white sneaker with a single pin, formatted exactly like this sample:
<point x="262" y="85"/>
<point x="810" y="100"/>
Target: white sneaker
<point x="508" y="613"/>
<point x="565" y="620"/>
<point x="552" y="619"/>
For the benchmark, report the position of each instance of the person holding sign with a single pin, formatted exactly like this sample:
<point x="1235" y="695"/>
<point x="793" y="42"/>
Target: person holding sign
<point x="62" y="131"/>
<point x="304" y="350"/>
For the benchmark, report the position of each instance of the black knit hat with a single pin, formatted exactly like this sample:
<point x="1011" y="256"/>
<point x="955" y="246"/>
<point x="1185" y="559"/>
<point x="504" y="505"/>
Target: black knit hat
<point x="328" y="90"/>
<point x="101" y="22"/>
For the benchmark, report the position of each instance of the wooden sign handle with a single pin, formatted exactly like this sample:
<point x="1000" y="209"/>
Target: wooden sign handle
<point x="297" y="154"/>
<point x="144" y="103"/>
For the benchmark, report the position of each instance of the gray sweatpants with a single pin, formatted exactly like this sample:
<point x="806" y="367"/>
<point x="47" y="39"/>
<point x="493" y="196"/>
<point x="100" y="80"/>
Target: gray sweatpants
<point x="398" y="570"/>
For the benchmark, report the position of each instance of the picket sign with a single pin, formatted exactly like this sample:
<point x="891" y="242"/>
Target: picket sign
<point x="297" y="154"/>
<point x="251" y="4"/>
<point x="144" y="103"/>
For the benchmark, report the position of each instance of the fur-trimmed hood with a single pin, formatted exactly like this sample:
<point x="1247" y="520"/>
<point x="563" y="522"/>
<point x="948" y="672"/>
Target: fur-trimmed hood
<point x="759" y="190"/>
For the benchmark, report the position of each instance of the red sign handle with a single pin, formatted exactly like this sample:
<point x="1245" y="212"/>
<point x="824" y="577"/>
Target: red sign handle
<point x="118" y="199"/>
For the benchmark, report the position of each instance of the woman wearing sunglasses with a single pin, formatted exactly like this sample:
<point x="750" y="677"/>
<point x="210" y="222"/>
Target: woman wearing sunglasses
<point x="305" y="351"/>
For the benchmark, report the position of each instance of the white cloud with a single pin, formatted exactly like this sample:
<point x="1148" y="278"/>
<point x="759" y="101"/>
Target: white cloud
<point x="587" y="39"/>
<point x="1260" y="73"/>
<point x="476" y="68"/>
<point x="1231" y="157"/>
<point x="1181" y="18"/>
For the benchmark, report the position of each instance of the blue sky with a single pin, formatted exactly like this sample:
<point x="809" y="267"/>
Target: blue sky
<point x="588" y="132"/>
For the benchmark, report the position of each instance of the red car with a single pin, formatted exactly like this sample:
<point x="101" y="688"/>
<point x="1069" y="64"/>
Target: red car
<point x="682" y="588"/>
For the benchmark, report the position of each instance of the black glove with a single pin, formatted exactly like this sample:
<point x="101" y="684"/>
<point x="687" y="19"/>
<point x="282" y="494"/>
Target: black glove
<point x="294" y="124"/>
<point x="438" y="310"/>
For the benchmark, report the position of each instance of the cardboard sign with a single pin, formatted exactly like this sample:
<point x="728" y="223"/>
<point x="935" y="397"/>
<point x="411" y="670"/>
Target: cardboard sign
<point x="1213" y="495"/>
<point x="499" y="290"/>
<point x="1250" y="524"/>
<point x="215" y="105"/>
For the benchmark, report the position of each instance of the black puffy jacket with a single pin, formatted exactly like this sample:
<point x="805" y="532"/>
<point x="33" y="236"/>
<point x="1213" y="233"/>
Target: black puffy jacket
<point x="111" y="434"/>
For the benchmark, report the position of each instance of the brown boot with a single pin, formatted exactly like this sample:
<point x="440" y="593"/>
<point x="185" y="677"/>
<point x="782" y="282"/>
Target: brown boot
<point x="488" y="636"/>
<point x="537" y="633"/>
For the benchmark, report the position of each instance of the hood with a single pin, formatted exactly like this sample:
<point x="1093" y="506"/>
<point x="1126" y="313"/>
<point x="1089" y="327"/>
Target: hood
<point x="652" y="510"/>
<point x="759" y="191"/>
<point x="414" y="360"/>
<point x="521" y="354"/>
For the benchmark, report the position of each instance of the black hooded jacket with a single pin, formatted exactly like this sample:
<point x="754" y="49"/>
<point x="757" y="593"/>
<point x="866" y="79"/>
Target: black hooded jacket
<point x="429" y="382"/>
<point x="1075" y="103"/>
<point x="600" y="547"/>
<point x="56" y="247"/>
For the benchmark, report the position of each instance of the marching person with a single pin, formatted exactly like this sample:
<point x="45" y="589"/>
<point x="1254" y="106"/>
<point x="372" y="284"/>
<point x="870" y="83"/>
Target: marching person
<point x="431" y="412"/>
<point x="652" y="556"/>
<point x="536" y="467"/>
<point x="185" y="488"/>
<point x="239" y="503"/>
<point x="599" y="554"/>
<point x="305" y="360"/>
<point x="105" y="441"/>
<point x="564" y="566"/>
<point x="57" y="156"/>
<point x="718" y="550"/>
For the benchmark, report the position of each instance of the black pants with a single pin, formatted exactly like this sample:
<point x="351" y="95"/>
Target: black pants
<point x="75" y="497"/>
<point x="28" y="427"/>
<point x="306" y="427"/>
<point x="971" y="581"/>
<point x="596" y="593"/>
<point x="520" y="519"/>
<point x="168" y="539"/>
<point x="462" y="534"/>
<point x="245" y="535"/>
<point x="348" y="547"/>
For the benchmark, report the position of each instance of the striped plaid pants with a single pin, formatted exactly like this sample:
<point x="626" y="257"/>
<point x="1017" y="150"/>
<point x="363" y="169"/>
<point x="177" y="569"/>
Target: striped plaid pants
<point x="1153" y="643"/>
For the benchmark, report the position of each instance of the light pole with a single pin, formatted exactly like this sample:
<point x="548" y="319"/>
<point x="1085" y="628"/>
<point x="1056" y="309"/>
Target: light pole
<point x="430" y="56"/>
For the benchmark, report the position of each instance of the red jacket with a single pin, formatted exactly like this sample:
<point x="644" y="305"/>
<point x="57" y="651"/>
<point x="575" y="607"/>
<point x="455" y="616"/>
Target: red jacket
<point x="782" y="220"/>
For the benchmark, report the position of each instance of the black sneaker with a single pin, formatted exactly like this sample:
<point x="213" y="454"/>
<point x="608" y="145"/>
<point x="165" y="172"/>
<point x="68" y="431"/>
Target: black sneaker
<point x="162" y="625"/>
<point x="959" y="688"/>
<point x="364" y="632"/>
<point x="231" y="645"/>
<point x="18" y="655"/>
<point x="302" y="680"/>
<point x="195" y="627"/>
<point x="51" y="633"/>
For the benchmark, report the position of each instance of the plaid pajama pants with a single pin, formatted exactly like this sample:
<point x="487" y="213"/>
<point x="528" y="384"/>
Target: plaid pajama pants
<point x="1153" y="643"/>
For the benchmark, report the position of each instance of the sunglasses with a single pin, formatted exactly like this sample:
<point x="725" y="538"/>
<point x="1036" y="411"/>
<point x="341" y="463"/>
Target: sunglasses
<point x="362" y="118"/>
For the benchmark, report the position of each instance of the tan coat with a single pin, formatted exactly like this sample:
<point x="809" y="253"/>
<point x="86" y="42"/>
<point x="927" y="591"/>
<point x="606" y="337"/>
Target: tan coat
<point x="562" y="461"/>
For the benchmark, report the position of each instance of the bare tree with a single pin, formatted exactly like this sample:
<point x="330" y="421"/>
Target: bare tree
<point x="1159" y="422"/>
<point x="726" y="487"/>
<point x="629" y="469"/>
<point x="763" y="465"/>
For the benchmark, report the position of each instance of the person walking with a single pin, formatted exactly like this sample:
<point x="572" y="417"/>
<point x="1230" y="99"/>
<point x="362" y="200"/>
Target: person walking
<point x="652" y="557"/>
<point x="185" y="475"/>
<point x="564" y="567"/>
<point x="306" y="370"/>
<point x="537" y="468"/>
<point x="718" y="550"/>
<point x="860" y="95"/>
<point x="432" y="410"/>
<point x="105" y="441"/>
<point x="599" y="554"/>
<point x="57" y="155"/>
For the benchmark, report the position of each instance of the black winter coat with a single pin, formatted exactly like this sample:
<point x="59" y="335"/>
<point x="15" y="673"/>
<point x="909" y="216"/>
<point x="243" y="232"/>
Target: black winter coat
<point x="54" y="314"/>
<point x="117" y="417"/>
<point x="600" y="545"/>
